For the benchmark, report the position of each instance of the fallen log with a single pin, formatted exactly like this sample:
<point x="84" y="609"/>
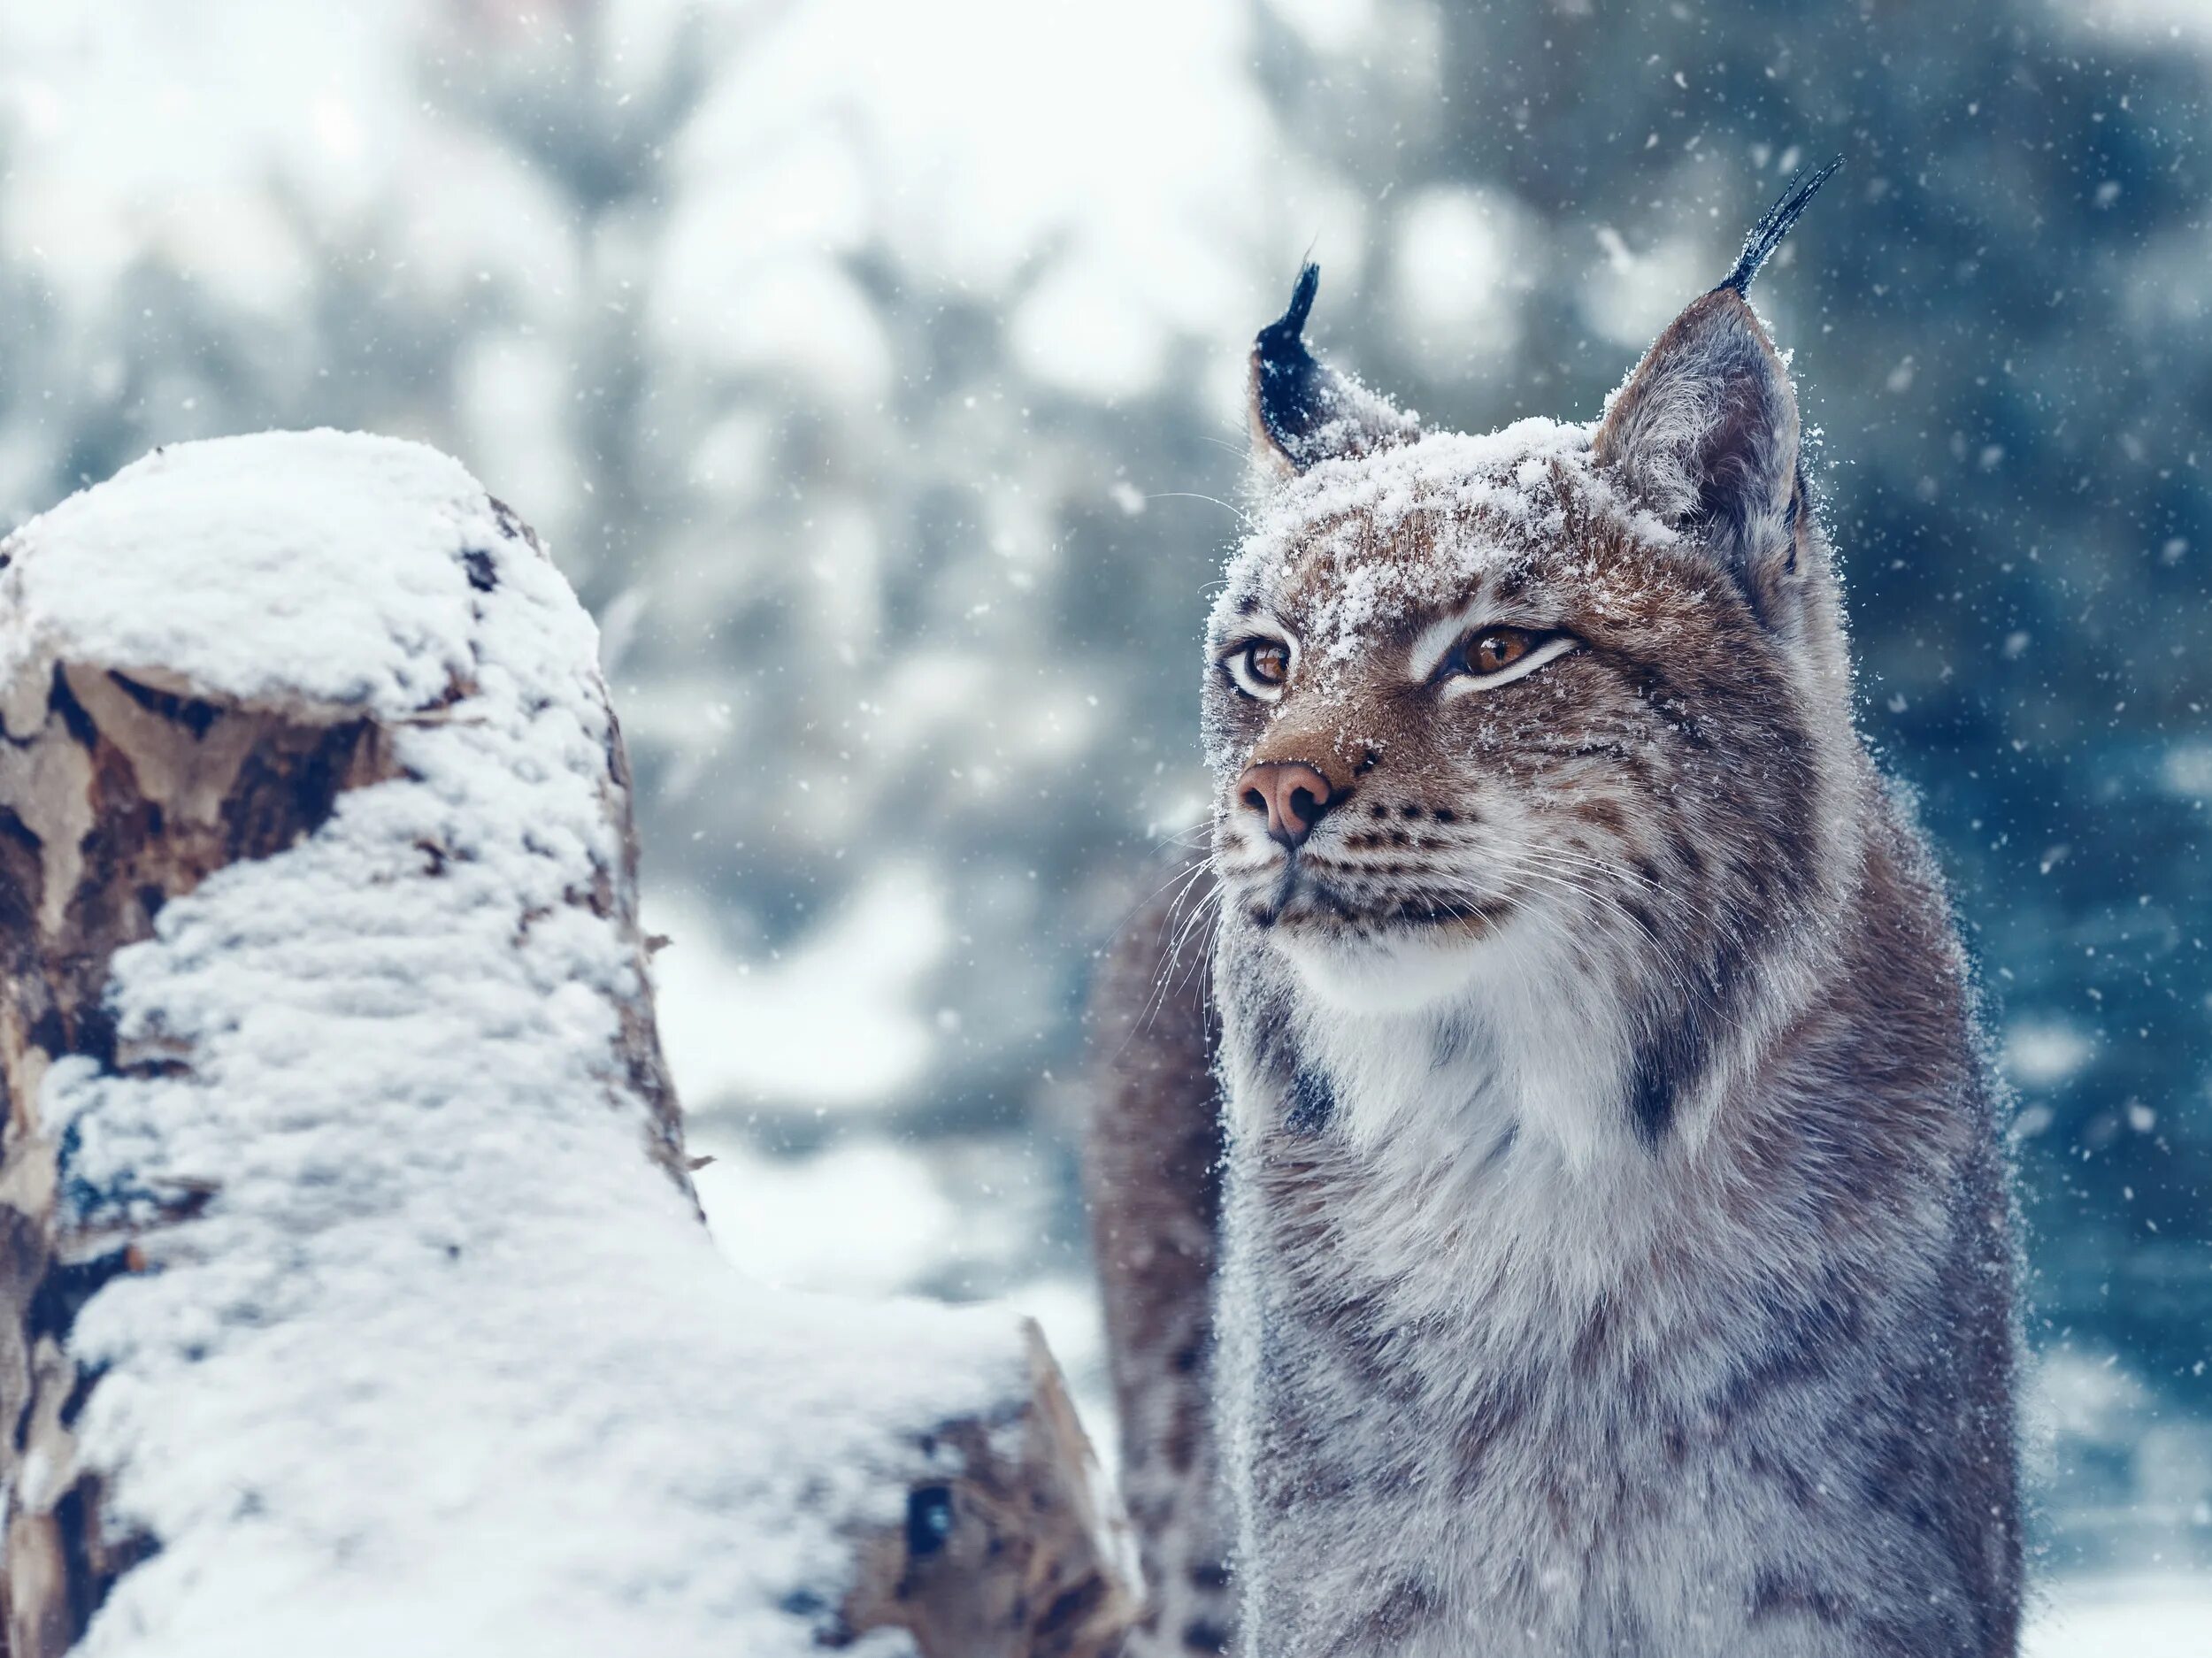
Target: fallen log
<point x="353" y="1292"/>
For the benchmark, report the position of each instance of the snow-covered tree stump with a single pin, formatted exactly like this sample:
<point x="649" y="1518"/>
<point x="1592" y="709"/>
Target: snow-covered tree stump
<point x="357" y="1298"/>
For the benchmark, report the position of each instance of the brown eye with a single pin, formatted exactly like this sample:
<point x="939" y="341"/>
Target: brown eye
<point x="1267" y="661"/>
<point x="1498" y="647"/>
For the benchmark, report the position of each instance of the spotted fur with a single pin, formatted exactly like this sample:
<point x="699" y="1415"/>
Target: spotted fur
<point x="1617" y="1244"/>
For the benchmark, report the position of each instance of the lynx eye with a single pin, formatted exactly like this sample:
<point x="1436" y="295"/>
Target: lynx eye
<point x="1261" y="667"/>
<point x="1497" y="648"/>
<point x="1499" y="656"/>
<point x="1268" y="662"/>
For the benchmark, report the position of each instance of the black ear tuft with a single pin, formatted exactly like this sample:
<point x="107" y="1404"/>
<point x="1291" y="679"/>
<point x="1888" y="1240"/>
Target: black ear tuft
<point x="1765" y="236"/>
<point x="1304" y="412"/>
<point x="1284" y="373"/>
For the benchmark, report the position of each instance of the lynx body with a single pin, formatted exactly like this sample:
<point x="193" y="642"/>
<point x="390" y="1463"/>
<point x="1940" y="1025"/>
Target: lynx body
<point x="1615" y="1252"/>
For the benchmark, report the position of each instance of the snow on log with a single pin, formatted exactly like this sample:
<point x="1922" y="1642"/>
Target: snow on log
<point x="357" y="1296"/>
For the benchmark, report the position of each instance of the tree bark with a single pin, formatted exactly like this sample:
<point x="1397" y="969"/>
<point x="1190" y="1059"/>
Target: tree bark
<point x="124" y="787"/>
<point x="115" y="797"/>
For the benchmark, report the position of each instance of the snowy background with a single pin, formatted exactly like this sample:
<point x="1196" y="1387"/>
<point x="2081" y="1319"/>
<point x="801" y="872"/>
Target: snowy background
<point x="873" y="370"/>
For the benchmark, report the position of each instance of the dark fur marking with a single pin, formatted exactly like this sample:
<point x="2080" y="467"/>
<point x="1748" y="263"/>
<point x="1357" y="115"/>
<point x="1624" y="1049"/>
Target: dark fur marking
<point x="1312" y="1102"/>
<point x="1686" y="849"/>
<point x="1651" y="1092"/>
<point x="1669" y="1063"/>
<point x="1772" y="1596"/>
<point x="1602" y="814"/>
<point x="1500" y="1146"/>
<point x="1501" y="1408"/>
<point x="1666" y="1067"/>
<point x="1404" y="1607"/>
<point x="1799" y="1344"/>
<point x="1594" y="1339"/>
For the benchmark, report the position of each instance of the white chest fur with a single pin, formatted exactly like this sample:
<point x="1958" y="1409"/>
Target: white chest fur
<point x="1489" y="1206"/>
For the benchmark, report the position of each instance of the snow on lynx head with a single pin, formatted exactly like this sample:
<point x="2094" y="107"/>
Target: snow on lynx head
<point x="1564" y="707"/>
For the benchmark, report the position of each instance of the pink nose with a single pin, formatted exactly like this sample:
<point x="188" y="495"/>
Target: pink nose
<point x="1292" y="794"/>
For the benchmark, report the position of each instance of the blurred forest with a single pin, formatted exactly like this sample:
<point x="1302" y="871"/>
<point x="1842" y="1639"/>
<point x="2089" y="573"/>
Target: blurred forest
<point x="874" y="371"/>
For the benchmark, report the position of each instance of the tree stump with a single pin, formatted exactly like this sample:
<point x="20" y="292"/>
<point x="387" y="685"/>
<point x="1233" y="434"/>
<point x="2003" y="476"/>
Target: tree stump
<point x="355" y="1291"/>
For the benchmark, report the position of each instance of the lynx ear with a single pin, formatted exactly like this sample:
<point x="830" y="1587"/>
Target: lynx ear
<point x="1705" y="431"/>
<point x="1303" y="412"/>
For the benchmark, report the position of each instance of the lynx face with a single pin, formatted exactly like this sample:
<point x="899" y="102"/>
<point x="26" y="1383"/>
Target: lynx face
<point x="1532" y="708"/>
<point x="1552" y="712"/>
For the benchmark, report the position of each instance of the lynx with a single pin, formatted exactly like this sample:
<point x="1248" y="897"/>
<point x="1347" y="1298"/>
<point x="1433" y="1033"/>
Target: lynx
<point x="1614" y="1254"/>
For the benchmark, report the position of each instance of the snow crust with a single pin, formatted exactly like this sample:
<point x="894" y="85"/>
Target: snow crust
<point x="289" y="565"/>
<point x="448" y="1364"/>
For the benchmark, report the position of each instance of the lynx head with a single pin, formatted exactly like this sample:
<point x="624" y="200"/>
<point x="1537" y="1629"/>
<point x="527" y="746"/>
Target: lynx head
<point x="1561" y="711"/>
